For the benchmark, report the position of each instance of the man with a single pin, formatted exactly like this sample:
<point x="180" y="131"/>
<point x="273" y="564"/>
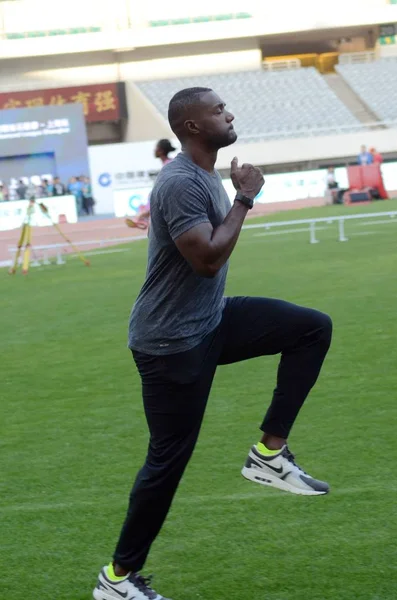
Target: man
<point x="182" y="328"/>
<point x="22" y="190"/>
<point x="59" y="189"/>
<point x="74" y="188"/>
<point x="162" y="150"/>
<point x="45" y="188"/>
<point x="365" y="157"/>
<point x="333" y="187"/>
<point x="88" y="200"/>
<point x="377" y="158"/>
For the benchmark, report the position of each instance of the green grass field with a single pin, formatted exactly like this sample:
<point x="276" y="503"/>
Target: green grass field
<point x="73" y="432"/>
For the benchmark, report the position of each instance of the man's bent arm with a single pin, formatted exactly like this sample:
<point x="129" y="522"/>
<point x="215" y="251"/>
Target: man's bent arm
<point x="208" y="249"/>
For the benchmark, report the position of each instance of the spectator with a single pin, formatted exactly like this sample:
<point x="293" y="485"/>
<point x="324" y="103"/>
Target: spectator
<point x="31" y="192"/>
<point x="50" y="187"/>
<point x="74" y="188"/>
<point x="44" y="192"/>
<point x="330" y="179"/>
<point x="58" y="188"/>
<point x="21" y="190"/>
<point x="3" y="193"/>
<point x="365" y="157"/>
<point x="377" y="158"/>
<point x="88" y="201"/>
<point x="333" y="188"/>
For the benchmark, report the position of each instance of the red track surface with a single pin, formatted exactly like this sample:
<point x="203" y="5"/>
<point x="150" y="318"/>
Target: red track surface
<point x="101" y="230"/>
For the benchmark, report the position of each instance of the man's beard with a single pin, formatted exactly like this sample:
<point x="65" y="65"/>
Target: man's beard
<point x="224" y="140"/>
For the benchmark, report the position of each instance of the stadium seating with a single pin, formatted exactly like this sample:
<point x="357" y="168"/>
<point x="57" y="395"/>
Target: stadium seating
<point x="376" y="84"/>
<point x="281" y="104"/>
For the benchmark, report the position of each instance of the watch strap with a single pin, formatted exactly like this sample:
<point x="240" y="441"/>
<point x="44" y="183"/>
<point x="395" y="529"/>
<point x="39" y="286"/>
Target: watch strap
<point x="244" y="200"/>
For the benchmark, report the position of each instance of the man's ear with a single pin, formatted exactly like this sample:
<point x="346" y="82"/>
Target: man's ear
<point x="191" y="127"/>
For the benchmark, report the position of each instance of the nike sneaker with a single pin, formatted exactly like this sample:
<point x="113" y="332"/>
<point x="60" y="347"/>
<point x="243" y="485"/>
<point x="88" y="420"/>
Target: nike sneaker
<point x="282" y="472"/>
<point x="131" y="587"/>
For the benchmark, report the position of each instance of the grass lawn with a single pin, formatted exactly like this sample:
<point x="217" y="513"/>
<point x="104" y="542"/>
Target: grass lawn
<point x="72" y="431"/>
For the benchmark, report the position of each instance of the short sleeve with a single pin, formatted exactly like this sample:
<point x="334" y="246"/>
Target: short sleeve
<point x="184" y="204"/>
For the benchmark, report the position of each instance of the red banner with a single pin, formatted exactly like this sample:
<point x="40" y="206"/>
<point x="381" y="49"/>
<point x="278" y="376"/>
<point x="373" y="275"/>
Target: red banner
<point x="100" y="102"/>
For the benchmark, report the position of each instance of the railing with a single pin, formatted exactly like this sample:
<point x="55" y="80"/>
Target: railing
<point x="349" y="58"/>
<point x="329" y="220"/>
<point x="314" y="131"/>
<point x="123" y="18"/>
<point x="57" y="249"/>
<point x="283" y="64"/>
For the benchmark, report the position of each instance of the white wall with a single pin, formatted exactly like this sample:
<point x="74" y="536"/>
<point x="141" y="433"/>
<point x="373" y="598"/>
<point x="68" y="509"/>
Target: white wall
<point x="181" y="66"/>
<point x="144" y="121"/>
<point x="116" y="159"/>
<point x="310" y="148"/>
<point x="46" y="73"/>
<point x="271" y="18"/>
<point x="113" y="159"/>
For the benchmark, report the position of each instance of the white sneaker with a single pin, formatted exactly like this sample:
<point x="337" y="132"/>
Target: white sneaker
<point x="132" y="587"/>
<point x="281" y="471"/>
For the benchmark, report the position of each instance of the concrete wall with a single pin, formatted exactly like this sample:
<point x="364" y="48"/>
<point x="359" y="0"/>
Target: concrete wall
<point x="305" y="149"/>
<point x="105" y="67"/>
<point x="144" y="121"/>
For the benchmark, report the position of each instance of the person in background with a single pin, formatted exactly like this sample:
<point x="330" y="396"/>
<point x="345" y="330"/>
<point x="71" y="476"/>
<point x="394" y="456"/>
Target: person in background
<point x="44" y="188"/>
<point x="377" y="158"/>
<point x="88" y="201"/>
<point x="74" y="188"/>
<point x="21" y="190"/>
<point x="162" y="150"/>
<point x="330" y="179"/>
<point x="333" y="186"/>
<point x="3" y="193"/>
<point x="58" y="188"/>
<point x="31" y="192"/>
<point x="50" y="187"/>
<point x="365" y="157"/>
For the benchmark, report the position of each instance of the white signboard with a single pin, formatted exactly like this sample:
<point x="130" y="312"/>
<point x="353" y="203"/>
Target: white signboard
<point x="117" y="166"/>
<point x="130" y="202"/>
<point x="13" y="214"/>
<point x="287" y="187"/>
<point x="126" y="168"/>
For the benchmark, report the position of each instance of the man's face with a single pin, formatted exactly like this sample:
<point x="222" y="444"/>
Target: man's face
<point x="157" y="151"/>
<point x="363" y="149"/>
<point x="213" y="122"/>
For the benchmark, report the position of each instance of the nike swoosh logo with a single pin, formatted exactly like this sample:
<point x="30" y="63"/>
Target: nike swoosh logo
<point x="265" y="464"/>
<point x="121" y="594"/>
<point x="277" y="470"/>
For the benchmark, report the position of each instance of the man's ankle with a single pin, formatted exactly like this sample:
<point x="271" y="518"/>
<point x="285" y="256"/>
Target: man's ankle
<point x="273" y="442"/>
<point x="119" y="571"/>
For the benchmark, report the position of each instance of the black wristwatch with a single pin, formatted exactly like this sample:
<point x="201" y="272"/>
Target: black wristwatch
<point x="244" y="200"/>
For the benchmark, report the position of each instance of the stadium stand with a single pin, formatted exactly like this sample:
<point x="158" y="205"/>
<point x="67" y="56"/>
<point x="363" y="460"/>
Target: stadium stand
<point x="282" y="103"/>
<point x="376" y="84"/>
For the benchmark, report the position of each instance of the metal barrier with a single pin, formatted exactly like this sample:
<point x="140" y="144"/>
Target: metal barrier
<point x="267" y="226"/>
<point x="312" y="223"/>
<point x="60" y="247"/>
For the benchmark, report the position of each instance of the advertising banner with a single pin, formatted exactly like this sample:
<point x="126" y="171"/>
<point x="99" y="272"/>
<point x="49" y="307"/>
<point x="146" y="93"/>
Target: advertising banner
<point x="12" y="214"/>
<point x="101" y="102"/>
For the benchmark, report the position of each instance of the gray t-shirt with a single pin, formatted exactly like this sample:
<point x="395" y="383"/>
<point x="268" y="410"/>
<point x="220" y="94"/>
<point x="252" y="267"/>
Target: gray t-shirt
<point x="177" y="308"/>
